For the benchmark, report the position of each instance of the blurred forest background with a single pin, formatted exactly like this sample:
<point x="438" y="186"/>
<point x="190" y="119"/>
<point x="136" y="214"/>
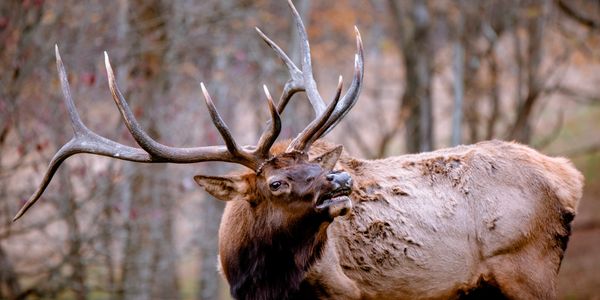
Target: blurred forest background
<point x="438" y="73"/>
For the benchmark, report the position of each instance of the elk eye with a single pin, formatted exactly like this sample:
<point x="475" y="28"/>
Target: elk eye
<point x="275" y="185"/>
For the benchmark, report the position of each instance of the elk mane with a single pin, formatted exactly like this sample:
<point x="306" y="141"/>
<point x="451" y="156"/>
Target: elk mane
<point x="272" y="261"/>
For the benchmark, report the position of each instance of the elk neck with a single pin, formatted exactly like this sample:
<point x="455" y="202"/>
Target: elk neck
<point x="275" y="253"/>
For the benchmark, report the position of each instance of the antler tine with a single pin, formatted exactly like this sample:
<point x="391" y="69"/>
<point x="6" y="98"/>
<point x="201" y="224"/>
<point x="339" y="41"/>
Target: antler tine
<point x="295" y="83"/>
<point x="244" y="157"/>
<point x="324" y="127"/>
<point x="351" y="96"/>
<point x="307" y="73"/>
<point x="134" y="127"/>
<point x="269" y="136"/>
<point x="219" y="123"/>
<point x="310" y="133"/>
<point x="281" y="54"/>
<point x="78" y="126"/>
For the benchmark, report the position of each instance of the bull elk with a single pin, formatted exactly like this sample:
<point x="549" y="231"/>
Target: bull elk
<point x="309" y="221"/>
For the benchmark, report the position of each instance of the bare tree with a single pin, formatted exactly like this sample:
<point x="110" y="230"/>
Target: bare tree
<point x="149" y="269"/>
<point x="412" y="22"/>
<point x="459" y="78"/>
<point x="521" y="128"/>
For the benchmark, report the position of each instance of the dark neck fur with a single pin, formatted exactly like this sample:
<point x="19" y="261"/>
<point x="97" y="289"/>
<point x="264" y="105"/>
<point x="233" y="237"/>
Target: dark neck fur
<point x="274" y="262"/>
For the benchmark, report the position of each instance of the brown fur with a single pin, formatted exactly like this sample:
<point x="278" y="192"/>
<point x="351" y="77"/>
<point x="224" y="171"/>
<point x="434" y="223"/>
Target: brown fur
<point x="490" y="219"/>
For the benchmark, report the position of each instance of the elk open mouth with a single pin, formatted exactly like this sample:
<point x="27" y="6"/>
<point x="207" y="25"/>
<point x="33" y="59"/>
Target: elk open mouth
<point x="332" y="198"/>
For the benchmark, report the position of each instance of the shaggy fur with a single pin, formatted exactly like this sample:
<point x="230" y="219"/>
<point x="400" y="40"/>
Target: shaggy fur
<point x="487" y="219"/>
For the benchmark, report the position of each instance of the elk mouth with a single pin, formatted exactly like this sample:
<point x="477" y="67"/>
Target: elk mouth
<point x="333" y="198"/>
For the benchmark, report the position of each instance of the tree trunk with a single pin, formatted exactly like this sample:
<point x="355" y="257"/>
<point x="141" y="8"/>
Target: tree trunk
<point x="77" y="280"/>
<point x="459" y="83"/>
<point x="521" y="129"/>
<point x="9" y="282"/>
<point x="150" y="265"/>
<point x="208" y="279"/>
<point x="413" y="26"/>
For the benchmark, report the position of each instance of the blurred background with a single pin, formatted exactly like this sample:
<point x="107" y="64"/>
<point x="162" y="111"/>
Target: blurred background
<point x="438" y="73"/>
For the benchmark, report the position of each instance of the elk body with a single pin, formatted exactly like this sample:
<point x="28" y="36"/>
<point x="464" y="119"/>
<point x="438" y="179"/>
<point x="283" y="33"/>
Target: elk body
<point x="308" y="221"/>
<point x="487" y="221"/>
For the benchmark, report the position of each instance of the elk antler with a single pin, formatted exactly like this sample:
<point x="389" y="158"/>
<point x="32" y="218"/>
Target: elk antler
<point x="325" y="120"/>
<point x="151" y="151"/>
<point x="86" y="141"/>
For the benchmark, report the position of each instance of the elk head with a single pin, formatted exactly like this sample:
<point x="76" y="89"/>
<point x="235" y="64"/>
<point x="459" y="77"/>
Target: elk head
<point x="289" y="176"/>
<point x="291" y="183"/>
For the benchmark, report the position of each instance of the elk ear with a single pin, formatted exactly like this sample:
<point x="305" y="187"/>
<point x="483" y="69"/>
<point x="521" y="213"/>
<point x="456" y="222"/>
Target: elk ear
<point x="328" y="159"/>
<point x="228" y="188"/>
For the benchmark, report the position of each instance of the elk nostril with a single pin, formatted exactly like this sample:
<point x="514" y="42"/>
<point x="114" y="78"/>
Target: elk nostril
<point x="330" y="177"/>
<point x="349" y="182"/>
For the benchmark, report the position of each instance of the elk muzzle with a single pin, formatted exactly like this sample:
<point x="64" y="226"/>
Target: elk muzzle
<point x="340" y="180"/>
<point x="336" y="201"/>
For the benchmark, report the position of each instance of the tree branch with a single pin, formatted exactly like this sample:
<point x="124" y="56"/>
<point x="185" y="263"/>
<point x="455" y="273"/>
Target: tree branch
<point x="576" y="16"/>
